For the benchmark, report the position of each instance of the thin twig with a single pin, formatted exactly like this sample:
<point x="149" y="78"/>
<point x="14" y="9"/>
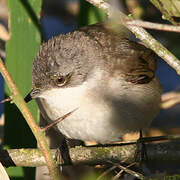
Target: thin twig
<point x="155" y="26"/>
<point x="140" y="33"/>
<point x="121" y="171"/>
<point x="6" y="100"/>
<point x="102" y="5"/>
<point x="154" y="139"/>
<point x="40" y="137"/>
<point x="146" y="140"/>
<point x="129" y="171"/>
<point x="57" y="121"/>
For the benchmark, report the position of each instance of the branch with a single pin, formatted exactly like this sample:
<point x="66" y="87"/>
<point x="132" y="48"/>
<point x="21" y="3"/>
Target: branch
<point x="155" y="26"/>
<point x="40" y="137"/>
<point x="140" y="33"/>
<point x="93" y="155"/>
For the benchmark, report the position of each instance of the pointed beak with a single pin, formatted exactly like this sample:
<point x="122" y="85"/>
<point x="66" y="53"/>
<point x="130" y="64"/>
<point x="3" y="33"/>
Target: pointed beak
<point x="34" y="93"/>
<point x="28" y="98"/>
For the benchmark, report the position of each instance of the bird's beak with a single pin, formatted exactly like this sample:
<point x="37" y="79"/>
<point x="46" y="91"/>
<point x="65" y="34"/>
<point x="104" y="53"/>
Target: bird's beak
<point x="34" y="93"/>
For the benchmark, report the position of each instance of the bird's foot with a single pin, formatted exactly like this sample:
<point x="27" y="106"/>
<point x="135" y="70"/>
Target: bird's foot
<point x="141" y="152"/>
<point x="62" y="154"/>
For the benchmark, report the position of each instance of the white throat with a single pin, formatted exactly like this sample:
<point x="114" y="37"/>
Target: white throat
<point x="64" y="100"/>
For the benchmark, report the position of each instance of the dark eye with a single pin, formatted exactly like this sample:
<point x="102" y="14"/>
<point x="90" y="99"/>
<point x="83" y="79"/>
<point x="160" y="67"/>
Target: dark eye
<point x="60" y="81"/>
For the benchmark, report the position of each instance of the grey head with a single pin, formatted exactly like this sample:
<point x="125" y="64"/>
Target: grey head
<point x="69" y="60"/>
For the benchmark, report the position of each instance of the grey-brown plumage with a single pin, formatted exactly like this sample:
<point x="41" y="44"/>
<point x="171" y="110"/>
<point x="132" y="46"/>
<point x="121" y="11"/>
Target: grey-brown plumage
<point x="110" y="79"/>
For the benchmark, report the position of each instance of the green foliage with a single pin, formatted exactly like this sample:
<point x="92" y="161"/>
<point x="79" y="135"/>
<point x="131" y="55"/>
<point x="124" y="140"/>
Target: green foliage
<point x="15" y="172"/>
<point x="21" y="49"/>
<point x="89" y="14"/>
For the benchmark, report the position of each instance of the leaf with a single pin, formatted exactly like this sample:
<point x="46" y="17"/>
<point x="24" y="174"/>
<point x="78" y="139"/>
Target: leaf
<point x="21" y="49"/>
<point x="89" y="14"/>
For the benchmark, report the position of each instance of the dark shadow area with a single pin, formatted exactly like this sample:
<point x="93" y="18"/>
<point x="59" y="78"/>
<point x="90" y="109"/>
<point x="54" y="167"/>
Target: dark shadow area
<point x="18" y="135"/>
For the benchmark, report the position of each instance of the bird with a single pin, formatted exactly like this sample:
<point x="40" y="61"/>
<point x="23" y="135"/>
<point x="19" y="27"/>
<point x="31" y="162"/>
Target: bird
<point x="108" y="78"/>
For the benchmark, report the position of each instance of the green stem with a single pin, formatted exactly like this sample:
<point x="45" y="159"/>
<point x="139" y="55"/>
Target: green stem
<point x="40" y="137"/>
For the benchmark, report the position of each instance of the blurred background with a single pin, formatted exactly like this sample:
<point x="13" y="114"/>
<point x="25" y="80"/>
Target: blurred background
<point x="62" y="16"/>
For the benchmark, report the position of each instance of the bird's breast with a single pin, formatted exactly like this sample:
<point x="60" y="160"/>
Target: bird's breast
<point x="99" y="116"/>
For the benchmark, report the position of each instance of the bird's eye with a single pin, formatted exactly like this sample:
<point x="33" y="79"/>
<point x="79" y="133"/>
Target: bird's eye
<point x="60" y="80"/>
